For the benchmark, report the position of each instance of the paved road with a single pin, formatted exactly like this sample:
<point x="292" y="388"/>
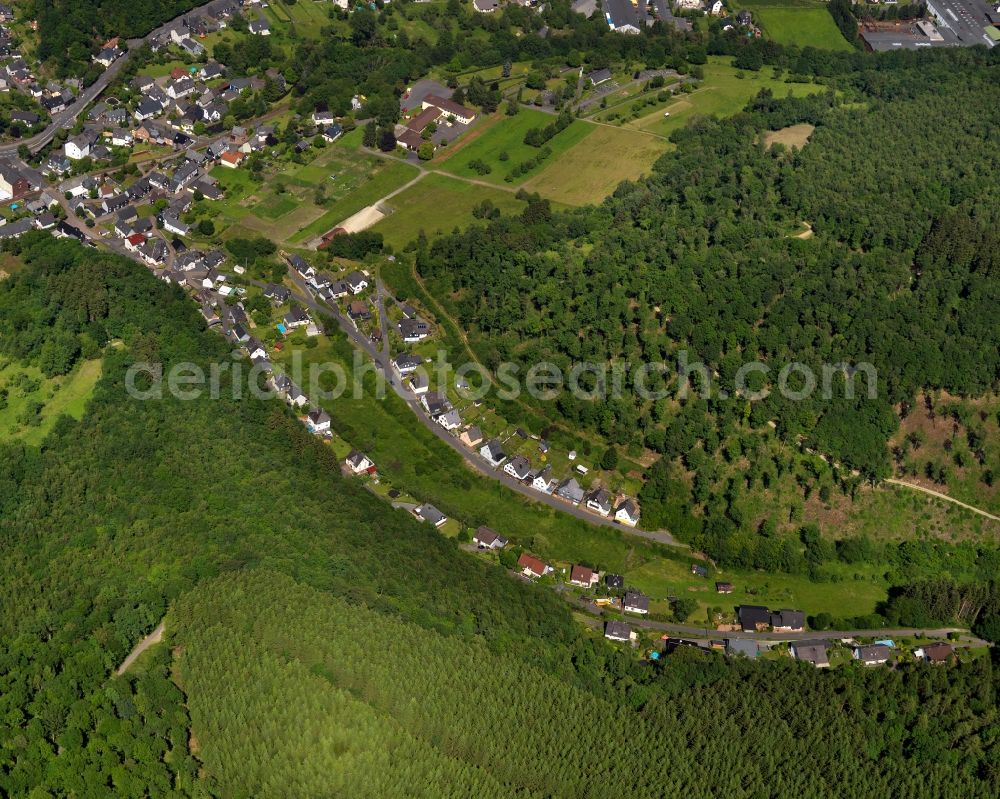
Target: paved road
<point x="707" y="632"/>
<point x="153" y="638"/>
<point x="67" y="117"/>
<point x="381" y="358"/>
<point x="939" y="495"/>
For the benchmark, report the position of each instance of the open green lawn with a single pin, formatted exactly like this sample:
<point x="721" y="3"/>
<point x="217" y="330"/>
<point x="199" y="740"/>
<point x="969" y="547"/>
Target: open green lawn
<point x="507" y="136"/>
<point x="348" y="179"/>
<point x="27" y="388"/>
<point x="592" y="168"/>
<point x="721" y="94"/>
<point x="806" y="24"/>
<point x="438" y="204"/>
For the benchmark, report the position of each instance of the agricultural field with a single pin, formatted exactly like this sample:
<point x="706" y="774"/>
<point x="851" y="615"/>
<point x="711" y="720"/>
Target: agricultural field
<point x="804" y="23"/>
<point x="30" y="403"/>
<point x="591" y="169"/>
<point x="722" y="93"/>
<point x="437" y="204"/>
<point x="506" y="136"/>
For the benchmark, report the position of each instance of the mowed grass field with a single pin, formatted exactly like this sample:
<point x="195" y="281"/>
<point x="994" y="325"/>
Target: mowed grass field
<point x="437" y="204"/>
<point x="721" y="94"/>
<point x="506" y="135"/>
<point x="800" y="22"/>
<point x="592" y="168"/>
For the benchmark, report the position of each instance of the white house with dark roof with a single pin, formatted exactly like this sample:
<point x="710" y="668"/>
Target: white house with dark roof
<point x="600" y="502"/>
<point x="617" y="631"/>
<point x="493" y="452"/>
<point x="319" y="420"/>
<point x="627" y="513"/>
<point x="518" y="467"/>
<point x="358" y="462"/>
<point x="485" y="538"/>
<point x="428" y="513"/>
<point x="635" y="602"/>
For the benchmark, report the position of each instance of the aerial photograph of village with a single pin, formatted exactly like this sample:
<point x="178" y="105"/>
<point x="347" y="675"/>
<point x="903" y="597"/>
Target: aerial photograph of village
<point x="499" y="398"/>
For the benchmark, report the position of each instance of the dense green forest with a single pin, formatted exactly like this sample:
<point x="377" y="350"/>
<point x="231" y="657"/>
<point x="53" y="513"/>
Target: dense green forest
<point x="698" y="726"/>
<point x="900" y="189"/>
<point x="295" y="601"/>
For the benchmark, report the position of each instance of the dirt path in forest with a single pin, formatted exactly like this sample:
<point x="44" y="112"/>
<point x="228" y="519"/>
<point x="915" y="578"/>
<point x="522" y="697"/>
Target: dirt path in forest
<point x="153" y="638"/>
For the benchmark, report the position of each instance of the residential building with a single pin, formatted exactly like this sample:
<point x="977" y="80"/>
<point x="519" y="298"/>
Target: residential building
<point x="600" y="501"/>
<point x="873" y="654"/>
<point x="635" y="602"/>
<point x="319" y="420"/>
<point x="571" y="491"/>
<point x="530" y="566"/>
<point x="583" y="577"/>
<point x="358" y="462"/>
<point x="493" y="452"/>
<point x="518" y="467"/>
<point x="78" y="147"/>
<point x="428" y="513"/>
<point x="413" y="330"/>
<point x="404" y="363"/>
<point x="814" y="652"/>
<point x="753" y="618"/>
<point x="627" y="513"/>
<point x="614" y="582"/>
<point x="617" y="631"/>
<point x="357" y="282"/>
<point x="788" y="621"/>
<point x="450" y="420"/>
<point x="543" y="481"/>
<point x="472" y="437"/>
<point x="435" y="404"/>
<point x="936" y="653"/>
<point x="450" y="108"/>
<point x="485" y="538"/>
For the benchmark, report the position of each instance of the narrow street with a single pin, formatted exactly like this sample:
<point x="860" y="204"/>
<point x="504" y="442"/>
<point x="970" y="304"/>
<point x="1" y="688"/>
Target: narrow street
<point x="383" y="361"/>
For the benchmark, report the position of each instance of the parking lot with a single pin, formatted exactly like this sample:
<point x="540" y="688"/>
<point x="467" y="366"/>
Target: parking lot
<point x="966" y="19"/>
